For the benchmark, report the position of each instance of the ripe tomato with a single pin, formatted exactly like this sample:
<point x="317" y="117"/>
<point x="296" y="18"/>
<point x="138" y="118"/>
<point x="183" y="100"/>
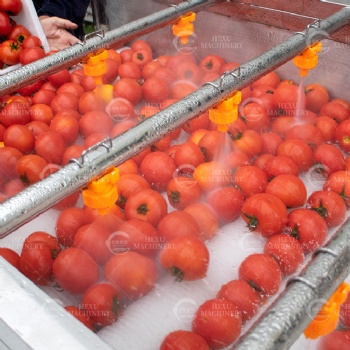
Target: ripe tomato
<point x="10" y="256"/>
<point x="147" y="205"/>
<point x="36" y="262"/>
<point x="5" y="24"/>
<point x="316" y="97"/>
<point x="112" y="70"/>
<point x="299" y="151"/>
<point x="18" y="32"/>
<point x="128" y="88"/>
<point x="125" y="55"/>
<point x="9" y="157"/>
<point x="31" y="54"/>
<point x="31" y="168"/>
<point x="139" y="44"/>
<point x="80" y="315"/>
<point x="261" y="160"/>
<point x="139" y="156"/>
<point x="210" y="144"/>
<point x="219" y="322"/>
<point x="72" y="152"/>
<point x="327" y="126"/>
<point x="176" y="224"/>
<point x="158" y="169"/>
<point x="37" y="127"/>
<point x="10" y="52"/>
<point x="64" y="100"/>
<point x="42" y="236"/>
<point x="155" y="90"/>
<point x="103" y="303"/>
<point x="329" y="205"/>
<point x="211" y="63"/>
<point x="306" y="132"/>
<point x="95" y="122"/>
<point x="75" y="270"/>
<point x="279" y="165"/>
<point x="249" y="142"/>
<point x="19" y="137"/>
<point x="183" y="340"/>
<point x="181" y="89"/>
<point x="307" y="227"/>
<point x="149" y="68"/>
<point x="289" y="189"/>
<point x="141" y="57"/>
<point x="188" y="153"/>
<point x="188" y="71"/>
<point x="41" y="112"/>
<point x="270" y="142"/>
<point x="255" y="116"/>
<point x="12" y="187"/>
<point x="182" y="191"/>
<point x="342" y="135"/>
<point x="186" y="258"/>
<point x="235" y="159"/>
<point x="334" y="340"/>
<point x="121" y="127"/>
<point x="339" y="182"/>
<point x="330" y="157"/>
<point x="262" y="272"/>
<point x="50" y="145"/>
<point x="239" y="292"/>
<point x="90" y="101"/>
<point x="282" y="124"/>
<point x="66" y="126"/>
<point x="59" y="78"/>
<point x="270" y="79"/>
<point x="200" y="122"/>
<point x="31" y="41"/>
<point x="133" y="273"/>
<point x="250" y="180"/>
<point x="130" y="70"/>
<point x="336" y="111"/>
<point x="226" y="203"/>
<point x="14" y="113"/>
<point x="265" y="214"/>
<point x="166" y="75"/>
<point x="287" y="251"/>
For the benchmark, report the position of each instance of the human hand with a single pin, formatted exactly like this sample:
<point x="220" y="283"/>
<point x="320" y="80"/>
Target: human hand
<point x="56" y="32"/>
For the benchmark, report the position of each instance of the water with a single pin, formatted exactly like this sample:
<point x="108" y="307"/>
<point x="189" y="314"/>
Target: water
<point x="225" y="146"/>
<point x="301" y="102"/>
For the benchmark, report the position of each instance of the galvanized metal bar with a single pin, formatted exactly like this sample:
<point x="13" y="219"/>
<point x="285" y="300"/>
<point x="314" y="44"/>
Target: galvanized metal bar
<point x="284" y="321"/>
<point x="35" y="199"/>
<point x="72" y="55"/>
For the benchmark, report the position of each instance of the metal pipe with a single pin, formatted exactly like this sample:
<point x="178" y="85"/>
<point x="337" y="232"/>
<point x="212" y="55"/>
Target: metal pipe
<point x="283" y="322"/>
<point x="72" y="55"/>
<point x="37" y="198"/>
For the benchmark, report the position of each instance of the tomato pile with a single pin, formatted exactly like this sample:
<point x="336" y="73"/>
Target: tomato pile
<point x="176" y="194"/>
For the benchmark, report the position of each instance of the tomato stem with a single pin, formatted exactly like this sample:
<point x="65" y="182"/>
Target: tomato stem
<point x="116" y="305"/>
<point x="175" y="196"/>
<point x="253" y="222"/>
<point x="254" y="286"/>
<point x="177" y="273"/>
<point x="142" y="209"/>
<point x="321" y="210"/>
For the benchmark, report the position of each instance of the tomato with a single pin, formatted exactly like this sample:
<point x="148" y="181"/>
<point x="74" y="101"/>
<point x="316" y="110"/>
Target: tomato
<point x="67" y="126"/>
<point x="31" y="168"/>
<point x="306" y="132"/>
<point x="343" y="102"/>
<point x="19" y="137"/>
<point x="18" y="33"/>
<point x="103" y="303"/>
<point x="150" y="68"/>
<point x="43" y="96"/>
<point x="5" y="24"/>
<point x="186" y="258"/>
<point x="112" y="70"/>
<point x="59" y="78"/>
<point x="212" y="175"/>
<point x="243" y="296"/>
<point x="342" y="135"/>
<point x="307" y="227"/>
<point x="316" y="97"/>
<point x="183" y="340"/>
<point x="339" y="182"/>
<point x="226" y="203"/>
<point x="286" y="97"/>
<point x="261" y="160"/>
<point x="250" y="180"/>
<point x="176" y="224"/>
<point x="130" y="70"/>
<point x="31" y="41"/>
<point x="90" y="101"/>
<point x="139" y="157"/>
<point x="265" y="214"/>
<point x="155" y="90"/>
<point x="235" y="159"/>
<point x="299" y="151"/>
<point x="289" y="189"/>
<point x="279" y="165"/>
<point x="31" y="54"/>
<point x="287" y="251"/>
<point x="249" y="142"/>
<point x="125" y="55"/>
<point x="50" y="145"/>
<point x="330" y="158"/>
<point x="270" y="79"/>
<point x="128" y="88"/>
<point x="41" y="112"/>
<point x="64" y="100"/>
<point x="95" y="122"/>
<point x="147" y="205"/>
<point x="211" y="63"/>
<point x="141" y="57"/>
<point x="182" y="191"/>
<point x="92" y="239"/>
<point x="206" y="218"/>
<point x="139" y="44"/>
<point x="14" y="113"/>
<point x="10" y="52"/>
<point x="164" y="74"/>
<point x="334" y="340"/>
<point x="263" y="94"/>
<point x="73" y="88"/>
<point x="329" y="205"/>
<point x="9" y="157"/>
<point x="41" y="236"/>
<point x="133" y="273"/>
<point x="218" y="321"/>
<point x="72" y="152"/>
<point x="119" y="108"/>
<point x="80" y="315"/>
<point x="270" y="142"/>
<point x="121" y="127"/>
<point x="336" y="111"/>
<point x="197" y="135"/>
<point x="328" y="127"/>
<point x="10" y="256"/>
<point x="190" y="154"/>
<point x="210" y="144"/>
<point x="12" y="7"/>
<point x="75" y="270"/>
<point x="188" y="71"/>
<point x="181" y="89"/>
<point x="158" y="169"/>
<point x="200" y="122"/>
<point x="255" y="116"/>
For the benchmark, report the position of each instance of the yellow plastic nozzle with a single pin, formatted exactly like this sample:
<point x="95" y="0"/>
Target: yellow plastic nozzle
<point x="308" y="59"/>
<point x="327" y="318"/>
<point x="95" y="65"/>
<point x="184" y="27"/>
<point x="226" y="112"/>
<point x="101" y="194"/>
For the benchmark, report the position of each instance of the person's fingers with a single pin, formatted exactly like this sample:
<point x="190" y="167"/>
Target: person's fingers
<point x="63" y="23"/>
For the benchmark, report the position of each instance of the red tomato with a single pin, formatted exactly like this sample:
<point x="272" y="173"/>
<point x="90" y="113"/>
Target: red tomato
<point x="329" y="205"/>
<point x="286" y="97"/>
<point x="121" y="127"/>
<point x="250" y="180"/>
<point x="210" y="144"/>
<point x="80" y="315"/>
<point x="183" y="340"/>
<point x="279" y="165"/>
<point x="133" y="273"/>
<point x="182" y="191"/>
<point x="141" y="57"/>
<point x="339" y="182"/>
<point x="336" y="111"/>
<point x="342" y="135"/>
<point x="135" y="235"/>
<point x="155" y="90"/>
<point x="95" y="122"/>
<point x="228" y="66"/>
<point x="103" y="303"/>
<point x="36" y="262"/>
<point x="270" y="142"/>
<point x="335" y="340"/>
<point x="211" y="63"/>
<point x="139" y="156"/>
<point x="128" y="88"/>
<point x="328" y="127"/>
<point x="226" y="203"/>
<point x="112" y="70"/>
<point x="219" y="322"/>
<point x="181" y="89"/>
<point x="31" y="41"/>
<point x="270" y="79"/>
<point x="150" y="68"/>
<point x="42" y="236"/>
<point x="19" y="137"/>
<point x="249" y="142"/>
<point x="31" y="54"/>
<point x="235" y="159"/>
<point x="188" y="71"/>
<point x="41" y="112"/>
<point x="158" y="169"/>
<point x="10" y="256"/>
<point x="64" y="100"/>
<point x="261" y="160"/>
<point x="139" y="44"/>
<point x="147" y="205"/>
<point x="265" y="214"/>
<point x="243" y="296"/>
<point x="289" y="189"/>
<point x="330" y="157"/>
<point x="14" y="113"/>
<point x="316" y="97"/>
<point x="72" y="88"/>
<point x="5" y="24"/>
<point x="59" y="78"/>
<point x="50" y="145"/>
<point x="190" y="154"/>
<point x="307" y="227"/>
<point x="200" y="122"/>
<point x="18" y="32"/>
<point x="287" y="251"/>
<point x="90" y="101"/>
<point x="282" y="124"/>
<point x="186" y="258"/>
<point x="31" y="168"/>
<point x="10" y="52"/>
<point x="130" y="70"/>
<point x="262" y="272"/>
<point x="306" y="132"/>
<point x="176" y="224"/>
<point x="75" y="270"/>
<point x="255" y="116"/>
<point x="72" y="152"/>
<point x="9" y="157"/>
<point x="166" y="75"/>
<point x="66" y="126"/>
